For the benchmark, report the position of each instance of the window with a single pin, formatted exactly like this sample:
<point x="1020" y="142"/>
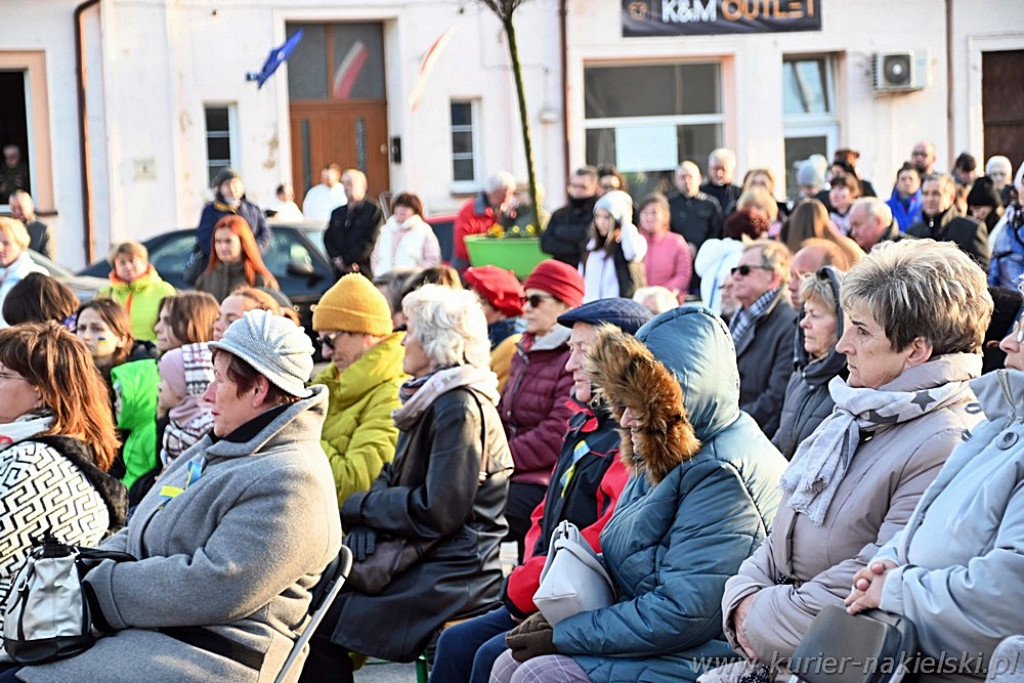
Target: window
<point x="810" y="118"/>
<point x="647" y="119"/>
<point x="465" y="162"/>
<point x="337" y="62"/>
<point x="221" y="142"/>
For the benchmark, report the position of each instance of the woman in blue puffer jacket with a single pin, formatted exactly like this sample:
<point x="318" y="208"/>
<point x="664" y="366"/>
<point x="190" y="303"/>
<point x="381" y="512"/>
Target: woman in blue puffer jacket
<point x="702" y="496"/>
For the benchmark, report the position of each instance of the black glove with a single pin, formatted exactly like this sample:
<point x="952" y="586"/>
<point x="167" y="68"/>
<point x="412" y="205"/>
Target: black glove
<point x="362" y="541"/>
<point x="532" y="638"/>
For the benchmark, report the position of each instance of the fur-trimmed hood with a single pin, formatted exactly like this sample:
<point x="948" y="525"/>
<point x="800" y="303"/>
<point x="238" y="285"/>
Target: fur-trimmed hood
<point x="628" y="376"/>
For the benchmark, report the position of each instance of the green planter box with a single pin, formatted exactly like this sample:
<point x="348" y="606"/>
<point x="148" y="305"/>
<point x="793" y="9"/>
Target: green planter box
<point x="520" y="255"/>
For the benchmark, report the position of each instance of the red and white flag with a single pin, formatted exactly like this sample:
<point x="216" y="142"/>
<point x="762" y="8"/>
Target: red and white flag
<point x="349" y="69"/>
<point x="426" y="66"/>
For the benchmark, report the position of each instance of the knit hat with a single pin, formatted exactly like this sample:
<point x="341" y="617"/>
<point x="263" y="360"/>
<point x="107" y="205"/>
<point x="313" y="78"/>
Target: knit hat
<point x="187" y="370"/>
<point x="811" y="172"/>
<point x="274" y="346"/>
<point x="618" y="204"/>
<point x="983" y="193"/>
<point x="558" y="279"/>
<point x="353" y="304"/>
<point x="500" y="287"/>
<point x="626" y="314"/>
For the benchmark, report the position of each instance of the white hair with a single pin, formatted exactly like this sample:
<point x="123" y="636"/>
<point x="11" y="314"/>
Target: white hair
<point x="877" y="208"/>
<point x="662" y="298"/>
<point x="449" y="325"/>
<point x="998" y="162"/>
<point x="724" y="156"/>
<point x="502" y="180"/>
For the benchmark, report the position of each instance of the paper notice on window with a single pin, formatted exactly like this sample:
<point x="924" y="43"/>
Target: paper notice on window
<point x="646" y="148"/>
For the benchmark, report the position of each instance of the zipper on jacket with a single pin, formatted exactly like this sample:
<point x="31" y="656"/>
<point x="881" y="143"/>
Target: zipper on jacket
<point x="1004" y="382"/>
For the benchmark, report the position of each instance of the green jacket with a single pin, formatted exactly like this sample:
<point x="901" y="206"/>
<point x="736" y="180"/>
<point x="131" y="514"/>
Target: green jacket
<point x="359" y="435"/>
<point x="135" y="384"/>
<point x="141" y="298"/>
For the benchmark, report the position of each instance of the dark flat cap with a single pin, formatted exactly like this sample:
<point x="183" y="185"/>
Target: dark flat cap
<point x="626" y="314"/>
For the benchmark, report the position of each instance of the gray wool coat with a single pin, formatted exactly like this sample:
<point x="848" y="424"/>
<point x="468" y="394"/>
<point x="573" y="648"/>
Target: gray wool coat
<point x="235" y="553"/>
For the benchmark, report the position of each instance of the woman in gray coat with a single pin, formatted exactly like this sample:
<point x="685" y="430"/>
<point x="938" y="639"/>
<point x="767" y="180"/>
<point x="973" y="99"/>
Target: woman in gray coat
<point x="955" y="570"/>
<point x="233" y="537"/>
<point x="817" y="361"/>
<point x="916" y="313"/>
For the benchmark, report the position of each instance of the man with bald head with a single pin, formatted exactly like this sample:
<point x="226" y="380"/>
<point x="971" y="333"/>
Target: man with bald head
<point x="923" y="157"/>
<point x="871" y="222"/>
<point x="353" y="229"/>
<point x="693" y="214"/>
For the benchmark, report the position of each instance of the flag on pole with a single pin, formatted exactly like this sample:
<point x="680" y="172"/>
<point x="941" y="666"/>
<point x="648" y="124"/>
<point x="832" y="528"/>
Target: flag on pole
<point x="426" y="66"/>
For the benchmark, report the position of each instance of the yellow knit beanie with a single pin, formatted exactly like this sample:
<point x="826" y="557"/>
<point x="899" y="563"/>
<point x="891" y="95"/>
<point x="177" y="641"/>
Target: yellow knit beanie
<point x="353" y="304"/>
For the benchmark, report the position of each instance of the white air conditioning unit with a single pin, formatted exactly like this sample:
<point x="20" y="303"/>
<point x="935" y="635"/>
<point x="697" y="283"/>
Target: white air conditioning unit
<point x="901" y="71"/>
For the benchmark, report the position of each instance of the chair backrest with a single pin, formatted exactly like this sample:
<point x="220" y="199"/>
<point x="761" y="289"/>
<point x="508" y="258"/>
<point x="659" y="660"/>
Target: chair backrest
<point x="324" y="593"/>
<point x="870" y="647"/>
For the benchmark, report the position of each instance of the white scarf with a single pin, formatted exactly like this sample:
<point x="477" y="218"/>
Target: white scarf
<point x="821" y="460"/>
<point x="25" y="427"/>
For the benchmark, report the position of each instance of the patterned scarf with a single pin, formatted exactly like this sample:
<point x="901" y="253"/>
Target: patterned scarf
<point x="821" y="460"/>
<point x="746" y="317"/>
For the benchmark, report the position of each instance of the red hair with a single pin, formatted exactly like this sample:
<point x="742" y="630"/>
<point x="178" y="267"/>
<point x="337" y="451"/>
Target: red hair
<point x="252" y="261"/>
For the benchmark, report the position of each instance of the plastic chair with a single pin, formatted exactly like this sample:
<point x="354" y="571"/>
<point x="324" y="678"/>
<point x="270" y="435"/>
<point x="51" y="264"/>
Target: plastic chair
<point x="870" y="647"/>
<point x="324" y="593"/>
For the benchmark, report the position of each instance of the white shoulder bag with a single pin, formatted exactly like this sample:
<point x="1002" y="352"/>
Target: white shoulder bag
<point x="573" y="579"/>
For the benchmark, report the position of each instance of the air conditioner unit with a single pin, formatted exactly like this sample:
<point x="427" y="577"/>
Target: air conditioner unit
<point x="901" y="71"/>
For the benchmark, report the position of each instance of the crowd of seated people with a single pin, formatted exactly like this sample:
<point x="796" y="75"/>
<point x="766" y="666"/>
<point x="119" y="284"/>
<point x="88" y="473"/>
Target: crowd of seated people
<point x="464" y="407"/>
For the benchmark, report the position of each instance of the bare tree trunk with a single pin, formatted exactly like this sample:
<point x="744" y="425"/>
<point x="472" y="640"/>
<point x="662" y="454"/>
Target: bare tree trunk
<point x="524" y="119"/>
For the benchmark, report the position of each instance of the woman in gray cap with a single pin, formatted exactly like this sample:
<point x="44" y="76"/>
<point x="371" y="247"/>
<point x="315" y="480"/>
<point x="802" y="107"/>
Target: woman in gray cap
<point x="232" y="537"/>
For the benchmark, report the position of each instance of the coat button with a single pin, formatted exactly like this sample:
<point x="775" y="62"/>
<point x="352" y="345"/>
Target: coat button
<point x="1007" y="440"/>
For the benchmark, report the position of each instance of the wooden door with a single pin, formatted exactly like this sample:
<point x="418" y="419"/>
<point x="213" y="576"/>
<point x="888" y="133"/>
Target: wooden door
<point x="1002" y="102"/>
<point x="353" y="134"/>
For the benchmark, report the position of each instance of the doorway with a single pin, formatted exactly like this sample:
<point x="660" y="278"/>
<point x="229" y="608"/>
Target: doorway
<point x="14" y="164"/>
<point x="338" y="109"/>
<point x="1002" y="103"/>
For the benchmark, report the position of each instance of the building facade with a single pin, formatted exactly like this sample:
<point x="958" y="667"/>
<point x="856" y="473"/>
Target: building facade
<point x="125" y="109"/>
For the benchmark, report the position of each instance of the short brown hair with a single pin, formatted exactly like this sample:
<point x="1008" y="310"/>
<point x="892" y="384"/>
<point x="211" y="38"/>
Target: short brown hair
<point x="38" y="298"/>
<point x="130" y="248"/>
<point x="117" y="319"/>
<point x="246" y="377"/>
<point x="408" y="199"/>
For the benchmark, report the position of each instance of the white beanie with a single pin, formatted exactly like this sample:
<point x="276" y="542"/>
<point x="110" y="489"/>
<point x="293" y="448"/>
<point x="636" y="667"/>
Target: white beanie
<point x="274" y="346"/>
<point x="618" y="203"/>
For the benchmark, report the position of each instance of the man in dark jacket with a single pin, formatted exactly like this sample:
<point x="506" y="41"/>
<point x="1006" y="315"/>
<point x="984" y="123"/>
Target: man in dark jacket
<point x="229" y="198"/>
<point x="569" y="228"/>
<point x="719" y="185"/>
<point x="871" y="222"/>
<point x="941" y="221"/>
<point x="353" y="228"/>
<point x="693" y="214"/>
<point x="763" y="330"/>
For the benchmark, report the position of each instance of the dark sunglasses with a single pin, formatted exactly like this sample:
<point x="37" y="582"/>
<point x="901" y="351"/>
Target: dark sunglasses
<point x="744" y="270"/>
<point x="328" y="339"/>
<point x="535" y="299"/>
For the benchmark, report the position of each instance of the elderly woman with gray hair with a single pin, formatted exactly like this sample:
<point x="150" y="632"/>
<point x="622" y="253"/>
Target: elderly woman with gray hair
<point x="442" y="498"/>
<point x="915" y="315"/>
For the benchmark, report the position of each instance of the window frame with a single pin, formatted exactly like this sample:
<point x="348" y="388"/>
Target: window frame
<point x="476" y="183"/>
<point x="231" y="135"/>
<point x="814" y="125"/>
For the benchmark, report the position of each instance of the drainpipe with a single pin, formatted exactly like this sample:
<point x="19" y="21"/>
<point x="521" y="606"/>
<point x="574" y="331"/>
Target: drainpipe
<point x="83" y="129"/>
<point x="949" y="80"/>
<point x="564" y="37"/>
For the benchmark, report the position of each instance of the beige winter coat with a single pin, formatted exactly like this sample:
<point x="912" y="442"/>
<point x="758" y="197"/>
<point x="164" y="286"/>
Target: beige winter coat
<point x="801" y="567"/>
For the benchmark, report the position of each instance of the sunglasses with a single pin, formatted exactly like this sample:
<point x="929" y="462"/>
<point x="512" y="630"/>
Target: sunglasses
<point x="744" y="270"/>
<point x="328" y="339"/>
<point x="535" y="300"/>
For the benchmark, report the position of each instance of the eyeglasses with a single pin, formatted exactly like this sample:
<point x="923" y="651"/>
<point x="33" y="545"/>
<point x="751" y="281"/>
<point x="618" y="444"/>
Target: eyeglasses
<point x="328" y="339"/>
<point x="744" y="270"/>
<point x="535" y="299"/>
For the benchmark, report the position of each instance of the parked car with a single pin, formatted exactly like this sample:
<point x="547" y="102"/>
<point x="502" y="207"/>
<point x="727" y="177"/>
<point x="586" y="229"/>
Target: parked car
<point x="295" y="257"/>
<point x="84" y="286"/>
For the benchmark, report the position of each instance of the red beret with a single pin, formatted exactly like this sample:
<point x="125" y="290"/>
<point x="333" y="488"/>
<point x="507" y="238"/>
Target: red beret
<point x="500" y="287"/>
<point x="558" y="279"/>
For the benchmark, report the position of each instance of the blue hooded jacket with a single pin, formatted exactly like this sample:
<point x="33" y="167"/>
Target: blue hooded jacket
<point x="672" y="544"/>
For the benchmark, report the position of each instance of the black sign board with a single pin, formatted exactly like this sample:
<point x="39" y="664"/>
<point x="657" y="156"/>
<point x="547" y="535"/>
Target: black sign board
<point x="710" y="17"/>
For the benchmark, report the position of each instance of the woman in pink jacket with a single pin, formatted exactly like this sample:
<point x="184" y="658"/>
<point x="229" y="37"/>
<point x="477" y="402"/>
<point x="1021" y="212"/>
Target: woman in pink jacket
<point x="669" y="262"/>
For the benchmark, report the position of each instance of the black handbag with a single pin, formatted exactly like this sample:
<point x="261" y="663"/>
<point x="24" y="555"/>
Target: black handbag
<point x="46" y="613"/>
